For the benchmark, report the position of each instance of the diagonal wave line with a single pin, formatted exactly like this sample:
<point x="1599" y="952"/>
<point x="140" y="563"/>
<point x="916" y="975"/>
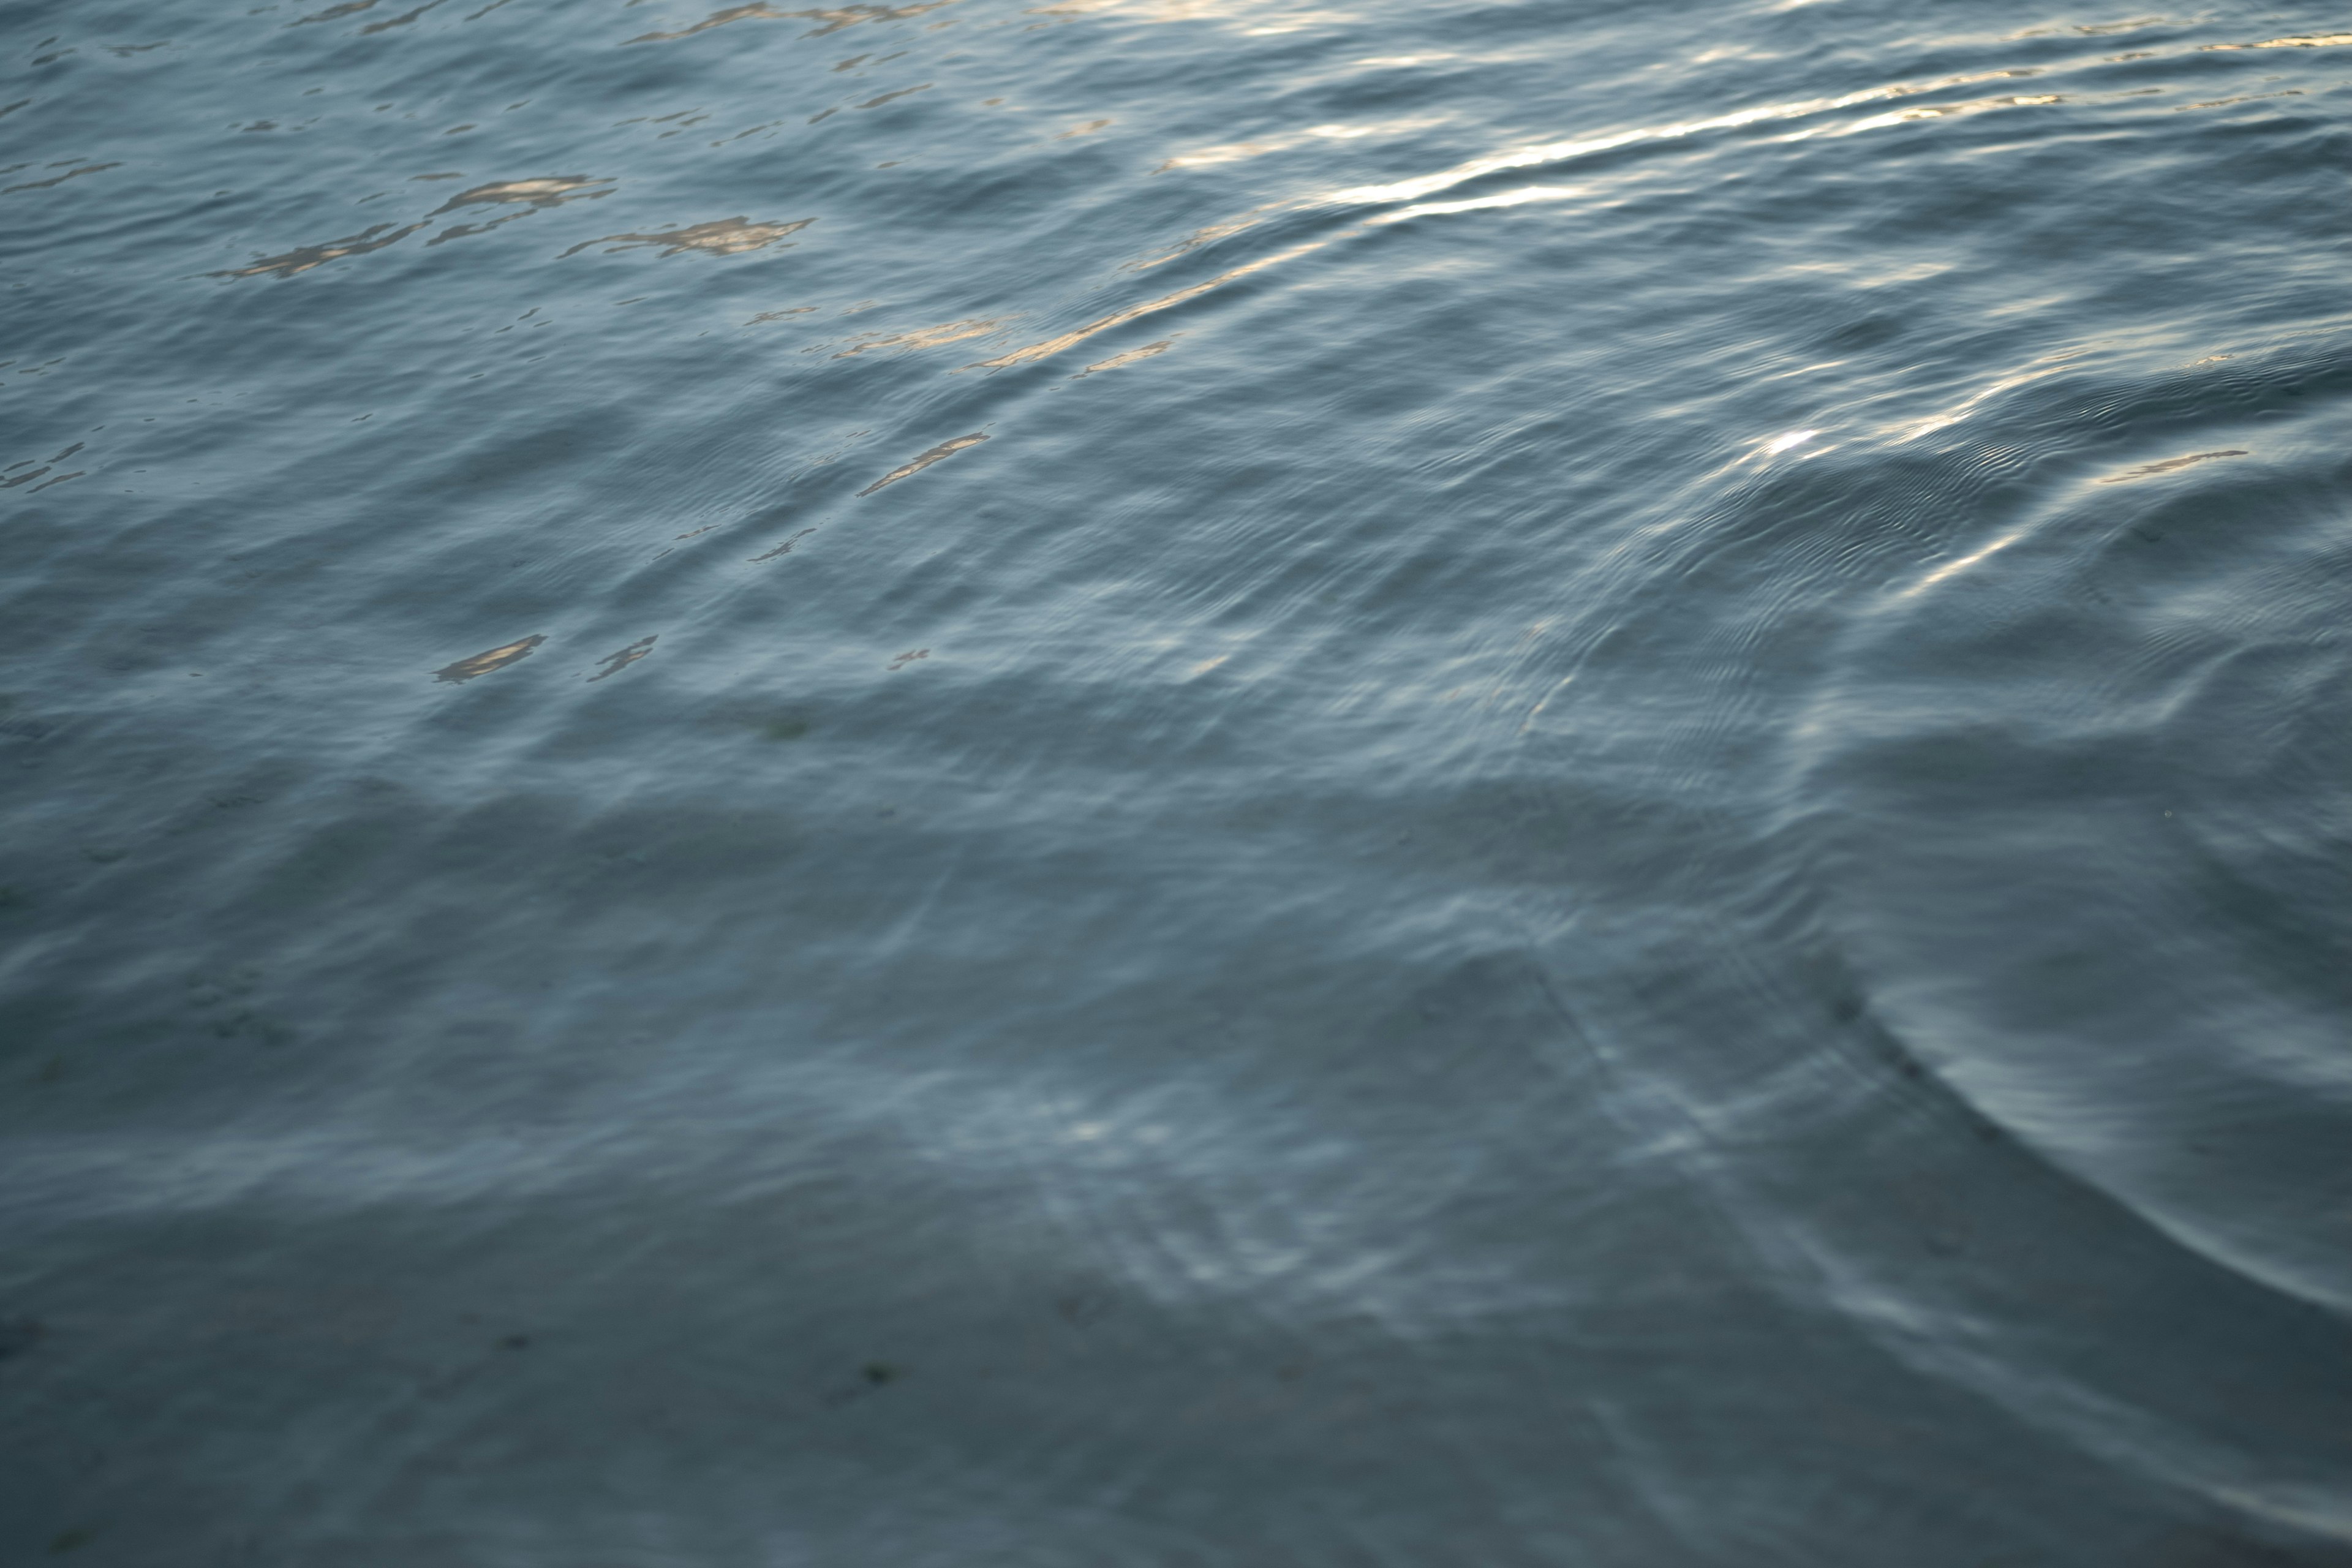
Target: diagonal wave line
<point x="1052" y="346"/>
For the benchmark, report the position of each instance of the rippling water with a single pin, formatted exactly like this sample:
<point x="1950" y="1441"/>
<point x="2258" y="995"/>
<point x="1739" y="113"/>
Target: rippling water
<point x="1176" y="782"/>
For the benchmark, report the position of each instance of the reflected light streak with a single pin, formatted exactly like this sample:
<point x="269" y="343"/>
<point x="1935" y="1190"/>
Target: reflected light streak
<point x="1235" y="152"/>
<point x="1413" y="190"/>
<point x="1519" y="197"/>
<point x="1557" y="152"/>
<point x="1926" y="111"/>
<point x="1052" y="346"/>
<point x="2300" y="41"/>
<point x="1953" y="568"/>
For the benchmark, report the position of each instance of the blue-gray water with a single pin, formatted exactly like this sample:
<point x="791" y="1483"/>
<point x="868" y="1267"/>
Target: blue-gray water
<point x="1176" y="783"/>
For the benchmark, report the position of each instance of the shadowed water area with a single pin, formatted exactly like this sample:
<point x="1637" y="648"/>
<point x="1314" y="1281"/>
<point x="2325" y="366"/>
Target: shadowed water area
<point x="1175" y="782"/>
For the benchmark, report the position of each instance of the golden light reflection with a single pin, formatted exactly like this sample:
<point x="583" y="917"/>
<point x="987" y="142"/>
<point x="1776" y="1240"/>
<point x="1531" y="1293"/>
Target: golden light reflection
<point x="1259" y="19"/>
<point x="724" y="237"/>
<point x="484" y="663"/>
<point x="1052" y="346"/>
<point x="2170" y="465"/>
<point x="944" y="450"/>
<point x="374" y="237"/>
<point x="550" y="191"/>
<point x="834" y="18"/>
<point x="2300" y="41"/>
<point x="1148" y="350"/>
<point x="928" y="337"/>
<point x="529" y="195"/>
<point x="2241" y="98"/>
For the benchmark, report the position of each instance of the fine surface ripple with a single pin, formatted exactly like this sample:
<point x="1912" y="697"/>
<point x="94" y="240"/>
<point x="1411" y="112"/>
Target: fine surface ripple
<point x="1175" y="782"/>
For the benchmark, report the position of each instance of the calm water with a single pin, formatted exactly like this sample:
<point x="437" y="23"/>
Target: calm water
<point x="1176" y="783"/>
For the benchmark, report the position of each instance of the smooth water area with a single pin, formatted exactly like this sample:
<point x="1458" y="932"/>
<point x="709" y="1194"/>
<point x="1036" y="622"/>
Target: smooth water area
<point x="1175" y="782"/>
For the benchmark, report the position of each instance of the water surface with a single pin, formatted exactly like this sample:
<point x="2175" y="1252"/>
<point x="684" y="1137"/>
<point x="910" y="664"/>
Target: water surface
<point x="1184" y="781"/>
